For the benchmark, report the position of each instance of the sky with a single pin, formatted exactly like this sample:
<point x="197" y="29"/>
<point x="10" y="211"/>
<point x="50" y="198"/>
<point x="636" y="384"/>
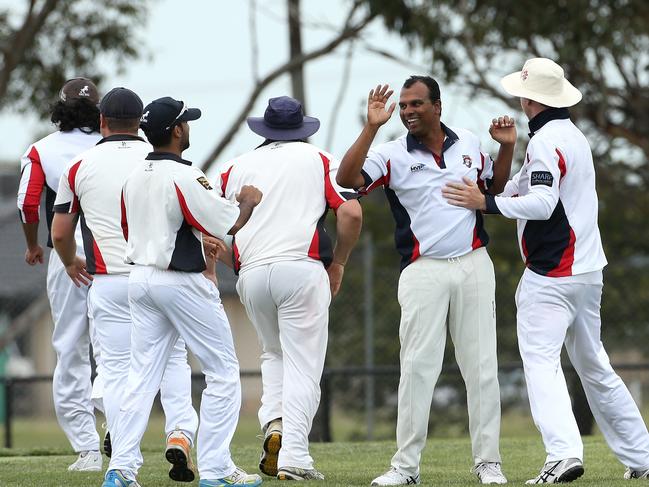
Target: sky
<point x="201" y="53"/>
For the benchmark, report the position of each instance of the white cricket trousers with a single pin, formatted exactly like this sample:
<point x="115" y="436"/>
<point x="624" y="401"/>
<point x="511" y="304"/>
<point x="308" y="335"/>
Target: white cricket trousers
<point x="551" y="312"/>
<point x="166" y="305"/>
<point x="71" y="385"/>
<point x="111" y="315"/>
<point x="288" y="303"/>
<point x="430" y="292"/>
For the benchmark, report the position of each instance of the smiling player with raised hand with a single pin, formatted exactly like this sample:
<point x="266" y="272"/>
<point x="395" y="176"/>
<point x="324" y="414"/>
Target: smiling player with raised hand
<point x="445" y="267"/>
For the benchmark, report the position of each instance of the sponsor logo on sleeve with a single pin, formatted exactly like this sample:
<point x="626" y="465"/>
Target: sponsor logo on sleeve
<point x="204" y="182"/>
<point x="544" y="178"/>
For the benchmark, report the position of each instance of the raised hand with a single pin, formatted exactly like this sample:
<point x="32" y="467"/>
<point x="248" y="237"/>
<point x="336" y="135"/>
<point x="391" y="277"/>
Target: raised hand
<point x="503" y="130"/>
<point x="377" y="114"/>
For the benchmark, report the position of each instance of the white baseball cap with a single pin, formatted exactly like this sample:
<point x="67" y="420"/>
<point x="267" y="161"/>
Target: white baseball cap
<point x="542" y="80"/>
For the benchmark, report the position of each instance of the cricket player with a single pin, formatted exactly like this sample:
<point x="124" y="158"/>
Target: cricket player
<point x="90" y="191"/>
<point x="288" y="273"/>
<point x="77" y="118"/>
<point x="554" y="201"/>
<point x="166" y="206"/>
<point x="446" y="272"/>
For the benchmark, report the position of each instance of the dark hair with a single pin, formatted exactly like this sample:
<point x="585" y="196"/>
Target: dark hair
<point x="431" y="84"/>
<point x="159" y="139"/>
<point x="122" y="124"/>
<point x="75" y="114"/>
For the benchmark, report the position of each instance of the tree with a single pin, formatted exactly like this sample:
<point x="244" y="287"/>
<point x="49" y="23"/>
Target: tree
<point x="601" y="44"/>
<point x="53" y="40"/>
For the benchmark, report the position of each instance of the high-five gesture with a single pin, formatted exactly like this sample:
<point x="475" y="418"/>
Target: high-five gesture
<point x="377" y="115"/>
<point x="503" y="130"/>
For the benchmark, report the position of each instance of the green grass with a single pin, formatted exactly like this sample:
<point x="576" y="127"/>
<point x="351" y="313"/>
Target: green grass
<point x="444" y="462"/>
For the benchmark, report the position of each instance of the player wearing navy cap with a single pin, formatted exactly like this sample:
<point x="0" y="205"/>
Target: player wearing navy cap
<point x="167" y="205"/>
<point x="90" y="191"/>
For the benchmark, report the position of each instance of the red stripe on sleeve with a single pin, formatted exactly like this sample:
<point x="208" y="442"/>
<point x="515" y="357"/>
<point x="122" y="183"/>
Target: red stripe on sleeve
<point x="334" y="200"/>
<point x="382" y="181"/>
<point x="237" y="260"/>
<point x="224" y="180"/>
<point x="124" y="220"/>
<point x="562" y="163"/>
<point x="72" y="179"/>
<point x="100" y="265"/>
<point x="34" y="188"/>
<point x="188" y="214"/>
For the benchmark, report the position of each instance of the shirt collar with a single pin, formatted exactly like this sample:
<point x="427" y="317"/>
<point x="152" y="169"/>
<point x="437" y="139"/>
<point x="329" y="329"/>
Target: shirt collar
<point x="413" y="144"/>
<point x="546" y="116"/>
<point x="167" y="156"/>
<point x="117" y="137"/>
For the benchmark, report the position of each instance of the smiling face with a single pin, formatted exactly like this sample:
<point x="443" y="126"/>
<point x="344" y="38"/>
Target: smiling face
<point x="419" y="114"/>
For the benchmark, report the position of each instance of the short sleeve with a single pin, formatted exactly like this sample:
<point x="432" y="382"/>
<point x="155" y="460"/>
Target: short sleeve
<point x="32" y="181"/>
<point x="376" y="169"/>
<point x="335" y="194"/>
<point x="202" y="205"/>
<point x="67" y="199"/>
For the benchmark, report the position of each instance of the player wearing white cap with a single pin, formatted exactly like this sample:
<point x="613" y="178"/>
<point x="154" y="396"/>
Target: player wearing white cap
<point x="166" y="205"/>
<point x="288" y="273"/>
<point x="90" y="191"/>
<point x="446" y="270"/>
<point x="554" y="201"/>
<point x="77" y="118"/>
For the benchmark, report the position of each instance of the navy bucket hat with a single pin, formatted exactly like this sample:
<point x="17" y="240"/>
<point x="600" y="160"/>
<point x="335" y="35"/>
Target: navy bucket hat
<point x="284" y="119"/>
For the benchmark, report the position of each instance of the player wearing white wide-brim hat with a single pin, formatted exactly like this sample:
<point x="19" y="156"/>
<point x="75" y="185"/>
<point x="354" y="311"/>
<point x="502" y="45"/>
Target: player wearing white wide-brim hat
<point x="542" y="80"/>
<point x="554" y="201"/>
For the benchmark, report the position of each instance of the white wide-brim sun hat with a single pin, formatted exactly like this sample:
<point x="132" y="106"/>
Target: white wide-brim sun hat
<point x="543" y="81"/>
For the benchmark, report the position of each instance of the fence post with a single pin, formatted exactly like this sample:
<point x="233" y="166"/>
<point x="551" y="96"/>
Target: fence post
<point x="8" y="411"/>
<point x="368" y="268"/>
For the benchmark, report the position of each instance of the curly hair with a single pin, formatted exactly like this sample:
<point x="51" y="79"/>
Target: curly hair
<point x="78" y="113"/>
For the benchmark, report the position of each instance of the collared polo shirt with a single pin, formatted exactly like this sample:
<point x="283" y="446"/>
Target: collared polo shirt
<point x="413" y="178"/>
<point x="298" y="181"/>
<point x="91" y="185"/>
<point x="166" y="205"/>
<point x="554" y="200"/>
<point x="40" y="169"/>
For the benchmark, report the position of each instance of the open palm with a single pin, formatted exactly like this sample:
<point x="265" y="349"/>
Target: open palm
<point x="376" y="102"/>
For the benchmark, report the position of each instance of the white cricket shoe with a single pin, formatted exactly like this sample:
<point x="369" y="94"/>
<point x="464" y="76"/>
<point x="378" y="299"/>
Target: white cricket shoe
<point x="489" y="473"/>
<point x="395" y="477"/>
<point x="636" y="474"/>
<point x="88" y="461"/>
<point x="559" y="472"/>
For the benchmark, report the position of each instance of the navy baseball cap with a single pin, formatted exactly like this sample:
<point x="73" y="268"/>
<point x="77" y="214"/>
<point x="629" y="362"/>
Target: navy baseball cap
<point x="162" y="114"/>
<point x="121" y="103"/>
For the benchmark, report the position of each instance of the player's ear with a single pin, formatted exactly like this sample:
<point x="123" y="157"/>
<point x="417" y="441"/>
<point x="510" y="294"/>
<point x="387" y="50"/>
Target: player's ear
<point x="177" y="131"/>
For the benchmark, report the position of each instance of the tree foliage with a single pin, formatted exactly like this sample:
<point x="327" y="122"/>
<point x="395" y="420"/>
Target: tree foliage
<point x="45" y="42"/>
<point x="601" y="44"/>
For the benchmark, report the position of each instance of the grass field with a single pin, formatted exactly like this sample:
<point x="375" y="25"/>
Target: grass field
<point x="444" y="462"/>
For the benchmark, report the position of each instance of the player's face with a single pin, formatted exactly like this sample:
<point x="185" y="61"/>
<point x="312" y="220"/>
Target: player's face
<point x="184" y="141"/>
<point x="418" y="113"/>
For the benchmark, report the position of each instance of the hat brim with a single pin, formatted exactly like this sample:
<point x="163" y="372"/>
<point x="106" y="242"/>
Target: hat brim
<point x="568" y="96"/>
<point x="310" y="126"/>
<point x="190" y="114"/>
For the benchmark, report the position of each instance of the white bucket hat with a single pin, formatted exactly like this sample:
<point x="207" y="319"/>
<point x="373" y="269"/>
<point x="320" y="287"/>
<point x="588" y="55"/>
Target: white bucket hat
<point x="543" y="81"/>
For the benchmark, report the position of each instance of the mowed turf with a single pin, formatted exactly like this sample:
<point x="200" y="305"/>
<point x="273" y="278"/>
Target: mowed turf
<point x="444" y="462"/>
